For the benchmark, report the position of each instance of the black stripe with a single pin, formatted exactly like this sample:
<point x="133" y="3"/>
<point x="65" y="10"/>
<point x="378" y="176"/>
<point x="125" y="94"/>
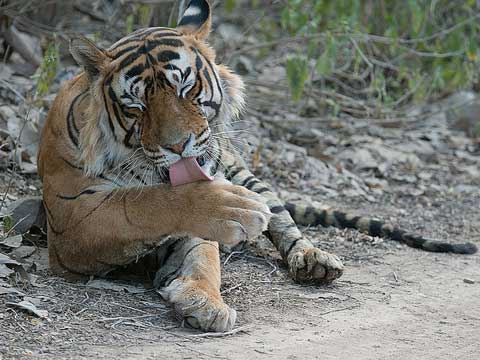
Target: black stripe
<point x="50" y="219"/>
<point x="262" y="190"/>
<point x="309" y="210"/>
<point x="129" y="40"/>
<point x="135" y="71"/>
<point x="396" y="234"/>
<point x="74" y="197"/>
<point x="124" y="51"/>
<point x="162" y="80"/>
<point x="215" y="106"/>
<point x="139" y="35"/>
<point x="219" y="88"/>
<point x="209" y="81"/>
<point x="375" y="228"/>
<point x="62" y="264"/>
<point x="277" y="209"/>
<point x="202" y="132"/>
<point x="71" y="135"/>
<point x="252" y="183"/>
<point x="188" y="71"/>
<point x="115" y="102"/>
<point x="147" y="31"/>
<point x="202" y="142"/>
<point x="71" y="126"/>
<point x="134" y="82"/>
<point x="71" y="164"/>
<point x="199" y="83"/>
<point x="198" y="61"/>
<point x="174" y="272"/>
<point x="167" y="56"/>
<point x="129" y="60"/>
<point x="214" y="168"/>
<point x="291" y="208"/>
<point x="110" y="122"/>
<point x="320" y="218"/>
<point x="126" y="139"/>
<point x="164" y="32"/>
<point x="234" y="172"/>
<point x="197" y="19"/>
<point x="292" y="245"/>
<point x="173" y="67"/>
<point x="247" y="179"/>
<point x="151" y="44"/>
<point x="342" y="221"/>
<point x="418" y="242"/>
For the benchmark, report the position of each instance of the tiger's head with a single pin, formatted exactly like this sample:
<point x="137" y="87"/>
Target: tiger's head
<point x="157" y="92"/>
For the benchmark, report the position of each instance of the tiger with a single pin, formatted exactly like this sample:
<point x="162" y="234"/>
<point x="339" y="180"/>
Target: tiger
<point x="154" y="97"/>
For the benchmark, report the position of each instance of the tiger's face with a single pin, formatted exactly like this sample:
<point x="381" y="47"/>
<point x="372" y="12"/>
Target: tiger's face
<point x="162" y="93"/>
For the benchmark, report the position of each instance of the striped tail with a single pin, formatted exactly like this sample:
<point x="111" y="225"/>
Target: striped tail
<point x="309" y="215"/>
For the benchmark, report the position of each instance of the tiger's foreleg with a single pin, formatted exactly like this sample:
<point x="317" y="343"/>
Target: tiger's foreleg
<point x="190" y="280"/>
<point x="305" y="262"/>
<point x="92" y="231"/>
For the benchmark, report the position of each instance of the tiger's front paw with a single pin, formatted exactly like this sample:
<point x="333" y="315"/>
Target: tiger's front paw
<point x="314" y="265"/>
<point x="198" y="308"/>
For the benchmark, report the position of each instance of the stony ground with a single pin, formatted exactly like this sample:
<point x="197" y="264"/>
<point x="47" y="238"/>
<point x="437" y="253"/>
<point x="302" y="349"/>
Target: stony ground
<point x="420" y="172"/>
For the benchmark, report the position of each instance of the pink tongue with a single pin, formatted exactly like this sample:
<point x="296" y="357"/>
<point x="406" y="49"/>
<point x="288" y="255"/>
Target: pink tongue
<point x="186" y="171"/>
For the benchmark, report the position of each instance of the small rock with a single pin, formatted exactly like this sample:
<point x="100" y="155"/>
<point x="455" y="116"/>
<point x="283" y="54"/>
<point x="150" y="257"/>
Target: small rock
<point x="23" y="252"/>
<point x="12" y="241"/>
<point x="27" y="213"/>
<point x="465" y="118"/>
<point x="361" y="158"/>
<point x="468" y="281"/>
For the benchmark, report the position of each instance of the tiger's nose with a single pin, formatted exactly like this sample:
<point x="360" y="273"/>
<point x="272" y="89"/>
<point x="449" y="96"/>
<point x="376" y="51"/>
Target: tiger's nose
<point x="179" y="147"/>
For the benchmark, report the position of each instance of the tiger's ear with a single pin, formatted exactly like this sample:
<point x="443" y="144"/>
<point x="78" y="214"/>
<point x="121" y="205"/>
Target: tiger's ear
<point x="196" y="20"/>
<point x="87" y="54"/>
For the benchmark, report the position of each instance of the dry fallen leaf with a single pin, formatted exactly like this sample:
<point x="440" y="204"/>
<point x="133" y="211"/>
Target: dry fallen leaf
<point x="5" y="271"/>
<point x="23" y="252"/>
<point x="12" y="241"/>
<point x="28" y="306"/>
<point x="4" y="259"/>
<point x="6" y="288"/>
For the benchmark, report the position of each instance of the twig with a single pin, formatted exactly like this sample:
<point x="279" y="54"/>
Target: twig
<point x="226" y="291"/>
<point x="130" y="308"/>
<point x="14" y="226"/>
<point x="230" y="256"/>
<point x="17" y="140"/>
<point x="362" y="55"/>
<point x="126" y="318"/>
<point x="12" y="37"/>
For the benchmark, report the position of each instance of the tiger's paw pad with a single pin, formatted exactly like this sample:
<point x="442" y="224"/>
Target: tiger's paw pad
<point x="314" y="265"/>
<point x="212" y="318"/>
<point x="198" y="309"/>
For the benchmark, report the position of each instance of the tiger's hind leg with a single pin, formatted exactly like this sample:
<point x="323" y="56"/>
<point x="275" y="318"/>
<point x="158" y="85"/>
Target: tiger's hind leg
<point x="190" y="279"/>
